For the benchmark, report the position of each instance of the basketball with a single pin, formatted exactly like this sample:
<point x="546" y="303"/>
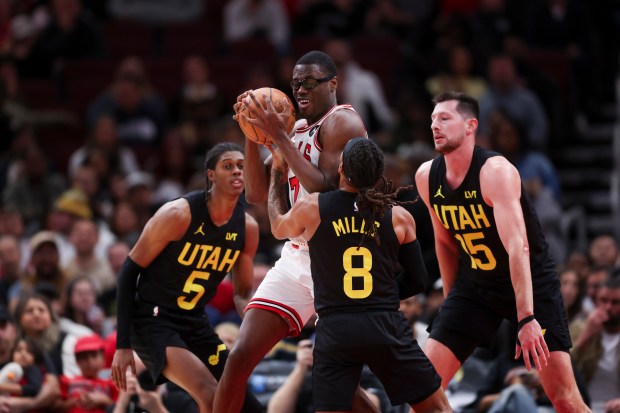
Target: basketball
<point x="278" y="98"/>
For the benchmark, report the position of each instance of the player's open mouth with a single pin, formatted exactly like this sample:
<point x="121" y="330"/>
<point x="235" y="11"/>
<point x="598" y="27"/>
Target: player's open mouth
<point x="303" y="102"/>
<point x="237" y="183"/>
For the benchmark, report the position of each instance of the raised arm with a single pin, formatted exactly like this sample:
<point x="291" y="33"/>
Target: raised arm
<point x="256" y="176"/>
<point x="500" y="185"/>
<point x="243" y="270"/>
<point x="445" y="246"/>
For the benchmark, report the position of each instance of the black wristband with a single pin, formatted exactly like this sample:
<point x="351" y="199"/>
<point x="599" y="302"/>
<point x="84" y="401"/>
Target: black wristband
<point x="524" y="321"/>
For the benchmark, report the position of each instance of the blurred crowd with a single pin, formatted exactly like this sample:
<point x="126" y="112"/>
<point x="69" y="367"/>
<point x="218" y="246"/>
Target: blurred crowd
<point x="107" y="109"/>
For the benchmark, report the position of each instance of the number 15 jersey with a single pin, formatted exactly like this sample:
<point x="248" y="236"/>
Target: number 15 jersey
<point x="464" y="213"/>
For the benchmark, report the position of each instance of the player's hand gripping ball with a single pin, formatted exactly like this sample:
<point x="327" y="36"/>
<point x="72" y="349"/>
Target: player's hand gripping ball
<point x="279" y="99"/>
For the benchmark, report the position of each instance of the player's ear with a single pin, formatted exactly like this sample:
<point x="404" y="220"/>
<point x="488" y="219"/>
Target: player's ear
<point x="472" y="125"/>
<point x="333" y="83"/>
<point x="210" y="174"/>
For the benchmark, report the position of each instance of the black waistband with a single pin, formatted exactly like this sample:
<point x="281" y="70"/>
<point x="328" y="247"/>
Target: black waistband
<point x="340" y="310"/>
<point x="156" y="310"/>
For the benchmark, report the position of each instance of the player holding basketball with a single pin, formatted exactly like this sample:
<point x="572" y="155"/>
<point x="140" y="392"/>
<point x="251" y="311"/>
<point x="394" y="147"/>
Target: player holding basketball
<point x="184" y="252"/>
<point x="284" y="301"/>
<point x="494" y="262"/>
<point x="357" y="236"/>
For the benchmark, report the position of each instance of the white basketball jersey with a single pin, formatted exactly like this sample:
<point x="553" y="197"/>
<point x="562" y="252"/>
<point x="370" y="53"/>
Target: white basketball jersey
<point x="307" y="142"/>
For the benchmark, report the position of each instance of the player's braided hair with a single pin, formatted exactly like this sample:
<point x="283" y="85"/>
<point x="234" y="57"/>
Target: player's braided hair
<point x="214" y="154"/>
<point x="363" y="164"/>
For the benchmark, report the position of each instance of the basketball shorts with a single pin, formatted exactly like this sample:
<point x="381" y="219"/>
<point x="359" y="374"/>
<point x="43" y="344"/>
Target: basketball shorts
<point x="288" y="288"/>
<point x="471" y="315"/>
<point x="383" y="340"/>
<point x="153" y="329"/>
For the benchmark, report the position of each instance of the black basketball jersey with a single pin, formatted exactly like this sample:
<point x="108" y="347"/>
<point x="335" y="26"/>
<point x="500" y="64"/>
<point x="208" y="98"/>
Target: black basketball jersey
<point x="463" y="212"/>
<point x="345" y="274"/>
<point x="185" y="275"/>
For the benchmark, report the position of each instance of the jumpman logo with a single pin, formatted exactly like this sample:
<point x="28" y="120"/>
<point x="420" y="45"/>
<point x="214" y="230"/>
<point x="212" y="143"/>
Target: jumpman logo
<point x="199" y="230"/>
<point x="438" y="193"/>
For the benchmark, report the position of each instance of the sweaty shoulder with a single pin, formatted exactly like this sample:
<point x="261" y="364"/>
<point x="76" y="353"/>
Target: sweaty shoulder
<point x="499" y="179"/>
<point x="339" y="127"/>
<point x="404" y="225"/>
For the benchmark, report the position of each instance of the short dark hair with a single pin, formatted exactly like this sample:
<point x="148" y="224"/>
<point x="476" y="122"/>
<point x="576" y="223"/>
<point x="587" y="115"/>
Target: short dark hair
<point x="467" y="105"/>
<point x="214" y="154"/>
<point x="321" y="59"/>
<point x="613" y="283"/>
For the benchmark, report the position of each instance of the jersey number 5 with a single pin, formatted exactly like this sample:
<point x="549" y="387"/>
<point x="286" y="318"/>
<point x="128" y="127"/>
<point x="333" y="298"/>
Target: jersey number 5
<point x="191" y="287"/>
<point x="352" y="272"/>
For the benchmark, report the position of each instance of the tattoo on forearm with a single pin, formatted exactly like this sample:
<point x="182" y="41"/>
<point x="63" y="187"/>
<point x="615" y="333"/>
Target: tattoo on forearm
<point x="277" y="202"/>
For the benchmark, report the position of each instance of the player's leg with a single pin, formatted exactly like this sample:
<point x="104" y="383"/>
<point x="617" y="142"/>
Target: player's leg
<point x="444" y="360"/>
<point x="558" y="380"/>
<point x="435" y="403"/>
<point x="186" y="370"/>
<point x="259" y="332"/>
<point x="362" y="403"/>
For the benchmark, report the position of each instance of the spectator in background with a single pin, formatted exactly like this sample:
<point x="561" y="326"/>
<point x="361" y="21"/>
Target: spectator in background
<point x="573" y="291"/>
<point x="228" y="333"/>
<point x="361" y="89"/>
<point x="597" y="348"/>
<point x="71" y="206"/>
<point x="87" y="392"/>
<point x="29" y="357"/>
<point x="84" y="237"/>
<point x="140" y="113"/>
<point x="198" y="104"/>
<point x="117" y="253"/>
<point x="34" y="192"/>
<point x="12" y="223"/>
<point x="36" y="319"/>
<point x="140" y="187"/>
<point x="604" y="252"/>
<point x="457" y="74"/>
<point x="104" y="138"/>
<point x="243" y="19"/>
<point x="173" y="170"/>
<point x="506" y="92"/>
<point x="49" y="390"/>
<point x="124" y="223"/>
<point x="10" y="268"/>
<point x="71" y="34"/>
<point x="595" y="278"/>
<point x="44" y="265"/>
<point x="79" y="304"/>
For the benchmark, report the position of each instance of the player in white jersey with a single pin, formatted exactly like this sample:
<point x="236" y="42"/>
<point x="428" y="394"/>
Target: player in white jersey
<point x="284" y="301"/>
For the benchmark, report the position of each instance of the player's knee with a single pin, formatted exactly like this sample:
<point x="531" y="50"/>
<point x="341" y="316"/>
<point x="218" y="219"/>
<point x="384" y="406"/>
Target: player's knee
<point x="240" y="360"/>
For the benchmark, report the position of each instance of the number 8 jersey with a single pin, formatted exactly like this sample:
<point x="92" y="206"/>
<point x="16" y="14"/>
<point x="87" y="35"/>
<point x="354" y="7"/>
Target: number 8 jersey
<point x="464" y="213"/>
<point x="345" y="273"/>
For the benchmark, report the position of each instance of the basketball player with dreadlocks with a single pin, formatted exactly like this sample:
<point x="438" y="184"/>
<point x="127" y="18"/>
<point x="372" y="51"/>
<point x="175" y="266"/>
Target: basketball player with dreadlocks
<point x="184" y="252"/>
<point x="357" y="236"/>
